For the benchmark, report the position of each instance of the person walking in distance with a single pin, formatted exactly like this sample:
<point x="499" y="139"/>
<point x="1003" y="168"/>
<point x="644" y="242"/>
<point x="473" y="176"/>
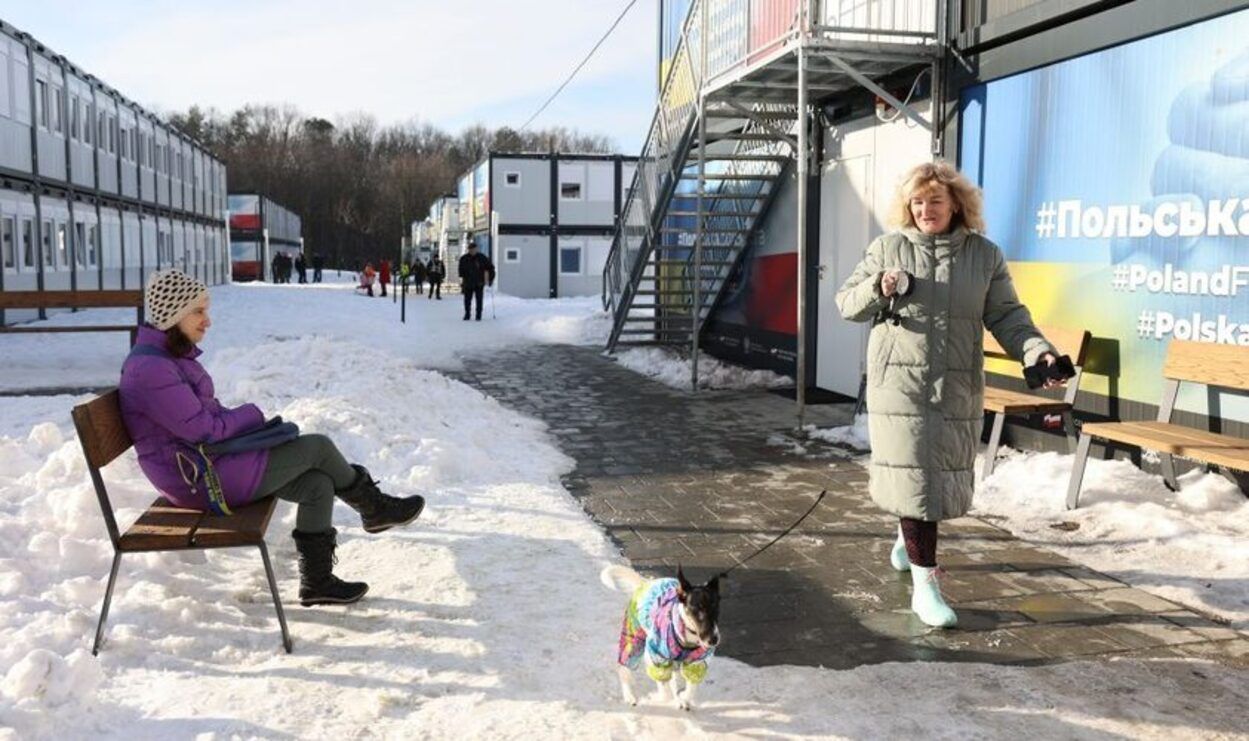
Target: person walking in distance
<point x="931" y="289"/>
<point x="301" y="268"/>
<point x="383" y="276"/>
<point x="476" y="272"/>
<point x="318" y="263"/>
<point x="436" y="271"/>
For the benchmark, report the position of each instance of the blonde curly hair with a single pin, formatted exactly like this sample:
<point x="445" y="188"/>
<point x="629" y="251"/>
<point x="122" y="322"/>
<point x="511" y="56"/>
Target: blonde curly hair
<point x="968" y="202"/>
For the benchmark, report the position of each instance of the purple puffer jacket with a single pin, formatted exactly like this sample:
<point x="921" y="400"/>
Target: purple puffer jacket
<point x="168" y="406"/>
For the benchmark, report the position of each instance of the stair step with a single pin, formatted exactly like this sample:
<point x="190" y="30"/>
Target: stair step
<point x="692" y="230"/>
<point x="762" y="115"/>
<point x="705" y="263"/>
<point x="743" y="157"/>
<point x="651" y="331"/>
<point x="747" y="137"/>
<point x="661" y="293"/>
<point x="715" y="214"/>
<point x="734" y="176"/>
<point x="653" y="320"/>
<point x="735" y="197"/>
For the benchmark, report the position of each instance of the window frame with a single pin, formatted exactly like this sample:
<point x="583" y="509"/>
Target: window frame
<point x="580" y="250"/>
<point x="580" y="190"/>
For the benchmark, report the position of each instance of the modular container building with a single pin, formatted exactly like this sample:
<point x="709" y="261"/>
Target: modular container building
<point x="547" y="220"/>
<point x="1107" y="136"/>
<point x="260" y="229"/>
<point x="95" y="191"/>
<point x="444" y="215"/>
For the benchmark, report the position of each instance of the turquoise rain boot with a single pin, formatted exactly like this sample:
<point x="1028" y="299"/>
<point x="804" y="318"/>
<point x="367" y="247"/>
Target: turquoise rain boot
<point x="926" y="599"/>
<point x="897" y="557"/>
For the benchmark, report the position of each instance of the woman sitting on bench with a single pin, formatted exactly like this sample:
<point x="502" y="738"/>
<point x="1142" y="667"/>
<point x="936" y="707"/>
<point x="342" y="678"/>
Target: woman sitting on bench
<point x="203" y="455"/>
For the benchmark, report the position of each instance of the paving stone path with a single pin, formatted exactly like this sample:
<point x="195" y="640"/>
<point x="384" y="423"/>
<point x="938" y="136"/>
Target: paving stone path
<point x="697" y="480"/>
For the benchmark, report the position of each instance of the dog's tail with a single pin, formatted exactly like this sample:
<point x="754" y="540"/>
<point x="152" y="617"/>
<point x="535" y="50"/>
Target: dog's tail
<point x="621" y="578"/>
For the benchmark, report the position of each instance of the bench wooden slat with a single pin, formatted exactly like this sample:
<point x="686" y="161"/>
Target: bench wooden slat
<point x="116" y="298"/>
<point x="164" y="526"/>
<point x="245" y="527"/>
<point x="1073" y="342"/>
<point x="1208" y="363"/>
<point x="1173" y="439"/>
<point x="1005" y="401"/>
<point x="100" y="427"/>
<point x="85" y="328"/>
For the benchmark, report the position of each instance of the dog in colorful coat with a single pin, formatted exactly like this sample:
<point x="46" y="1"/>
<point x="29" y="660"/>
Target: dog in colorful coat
<point x="670" y="622"/>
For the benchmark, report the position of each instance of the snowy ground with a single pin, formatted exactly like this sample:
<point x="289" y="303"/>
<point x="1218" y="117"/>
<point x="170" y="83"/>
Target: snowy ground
<point x="1187" y="546"/>
<point x="672" y="369"/>
<point x="485" y="618"/>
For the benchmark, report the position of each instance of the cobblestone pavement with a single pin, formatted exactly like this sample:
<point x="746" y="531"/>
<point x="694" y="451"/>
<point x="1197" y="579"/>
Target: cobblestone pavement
<point x="697" y="480"/>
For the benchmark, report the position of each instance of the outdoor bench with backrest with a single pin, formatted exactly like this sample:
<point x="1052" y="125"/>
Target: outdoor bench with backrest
<point x="1216" y="366"/>
<point x="1002" y="403"/>
<point x="75" y="300"/>
<point x="163" y="526"/>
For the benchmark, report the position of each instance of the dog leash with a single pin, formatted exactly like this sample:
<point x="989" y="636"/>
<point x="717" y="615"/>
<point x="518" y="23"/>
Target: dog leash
<point x="787" y="531"/>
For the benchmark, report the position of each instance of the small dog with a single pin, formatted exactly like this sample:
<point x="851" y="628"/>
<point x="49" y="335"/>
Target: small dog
<point x="674" y="623"/>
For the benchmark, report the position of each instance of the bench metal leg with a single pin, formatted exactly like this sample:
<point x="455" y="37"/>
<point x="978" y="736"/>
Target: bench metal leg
<point x="995" y="441"/>
<point x="108" y="599"/>
<point x="1069" y="425"/>
<point x="1168" y="472"/>
<point x="277" y="601"/>
<point x="1077" y="471"/>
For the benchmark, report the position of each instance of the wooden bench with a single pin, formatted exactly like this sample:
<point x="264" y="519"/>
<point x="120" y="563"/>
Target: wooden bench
<point x="1002" y="403"/>
<point x="163" y="526"/>
<point x="75" y="300"/>
<point x="1220" y="366"/>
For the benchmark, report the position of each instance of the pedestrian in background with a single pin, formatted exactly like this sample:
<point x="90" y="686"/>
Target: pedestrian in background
<point x="476" y="272"/>
<point x="436" y="272"/>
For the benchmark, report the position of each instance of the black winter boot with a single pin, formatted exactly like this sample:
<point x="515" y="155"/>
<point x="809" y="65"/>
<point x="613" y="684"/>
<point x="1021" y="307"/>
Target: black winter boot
<point x="379" y="511"/>
<point x="317" y="583"/>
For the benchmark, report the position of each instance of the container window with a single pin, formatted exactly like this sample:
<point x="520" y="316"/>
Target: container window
<point x="28" y="244"/>
<point x="93" y="245"/>
<point x="570" y="191"/>
<point x="41" y="103"/>
<point x="511" y="179"/>
<point x="80" y="244"/>
<point x="7" y="247"/>
<point x="49" y="258"/>
<point x="570" y="261"/>
<point x="58" y="100"/>
<point x="62" y="244"/>
<point x="511" y="254"/>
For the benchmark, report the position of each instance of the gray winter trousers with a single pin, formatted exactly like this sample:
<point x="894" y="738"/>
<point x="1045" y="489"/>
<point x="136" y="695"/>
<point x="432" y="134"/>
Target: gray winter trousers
<point x="308" y="471"/>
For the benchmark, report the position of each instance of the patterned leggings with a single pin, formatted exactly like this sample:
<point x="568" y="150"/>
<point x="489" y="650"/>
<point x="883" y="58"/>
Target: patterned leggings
<point x="920" y="537"/>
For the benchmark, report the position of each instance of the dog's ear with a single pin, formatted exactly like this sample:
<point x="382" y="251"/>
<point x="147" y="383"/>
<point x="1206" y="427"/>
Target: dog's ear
<point x="684" y="585"/>
<point x="714" y="584"/>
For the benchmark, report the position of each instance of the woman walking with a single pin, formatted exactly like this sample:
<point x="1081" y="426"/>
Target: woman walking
<point x="930" y="289"/>
<point x="169" y="406"/>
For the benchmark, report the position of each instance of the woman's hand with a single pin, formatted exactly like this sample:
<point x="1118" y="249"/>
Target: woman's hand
<point x="889" y="283"/>
<point x="1052" y="383"/>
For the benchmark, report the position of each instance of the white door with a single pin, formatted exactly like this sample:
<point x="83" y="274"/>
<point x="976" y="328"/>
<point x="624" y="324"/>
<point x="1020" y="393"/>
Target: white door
<point x="845" y="223"/>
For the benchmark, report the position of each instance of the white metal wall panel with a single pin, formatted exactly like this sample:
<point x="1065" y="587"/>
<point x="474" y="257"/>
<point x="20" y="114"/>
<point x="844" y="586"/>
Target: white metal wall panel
<point x="527" y="199"/>
<point x="529" y="275"/>
<point x="54" y="243"/>
<point x="597" y="184"/>
<point x="126" y="135"/>
<point x="17" y="212"/>
<point x="162" y="165"/>
<point x="85" y="241"/>
<point x="81" y="130"/>
<point x="15" y="113"/>
<point x="148" y="232"/>
<point x="110" y="252"/>
<point x="131" y="235"/>
<point x="588" y="281"/>
<point x="50" y="122"/>
<point x="106" y="140"/>
<point x="188" y="178"/>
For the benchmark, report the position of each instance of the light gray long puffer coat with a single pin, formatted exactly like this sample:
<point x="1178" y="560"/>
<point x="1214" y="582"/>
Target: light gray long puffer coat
<point x="925" y="377"/>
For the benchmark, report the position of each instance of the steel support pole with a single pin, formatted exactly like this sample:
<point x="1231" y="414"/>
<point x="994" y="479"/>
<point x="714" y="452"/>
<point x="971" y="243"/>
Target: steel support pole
<point x="697" y="309"/>
<point x="800" y="378"/>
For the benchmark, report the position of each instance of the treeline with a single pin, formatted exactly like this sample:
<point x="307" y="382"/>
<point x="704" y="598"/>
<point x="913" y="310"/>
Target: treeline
<point x="357" y="185"/>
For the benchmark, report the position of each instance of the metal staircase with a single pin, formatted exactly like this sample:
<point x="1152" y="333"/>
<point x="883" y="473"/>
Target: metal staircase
<point x="727" y="131"/>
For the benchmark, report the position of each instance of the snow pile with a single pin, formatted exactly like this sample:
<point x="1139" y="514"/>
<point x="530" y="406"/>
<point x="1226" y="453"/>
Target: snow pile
<point x="670" y="368"/>
<point x="1187" y="546"/>
<point x="45" y="678"/>
<point x="852" y="436"/>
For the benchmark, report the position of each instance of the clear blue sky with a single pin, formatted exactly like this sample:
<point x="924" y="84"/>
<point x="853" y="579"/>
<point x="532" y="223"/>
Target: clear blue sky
<point x="448" y="63"/>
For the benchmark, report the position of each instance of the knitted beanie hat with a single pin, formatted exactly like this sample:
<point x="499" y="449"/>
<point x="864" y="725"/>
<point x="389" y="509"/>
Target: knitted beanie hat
<point x="170" y="296"/>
